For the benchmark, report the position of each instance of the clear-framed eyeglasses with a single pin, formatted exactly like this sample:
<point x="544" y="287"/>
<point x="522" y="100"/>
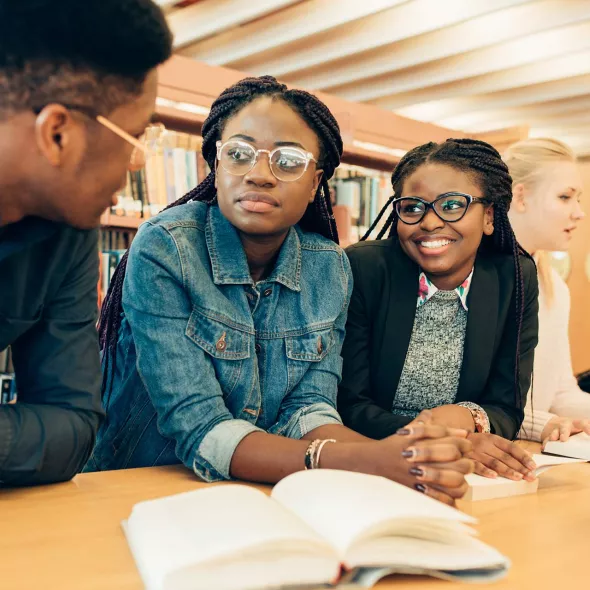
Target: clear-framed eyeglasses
<point x="450" y="207"/>
<point x="144" y="147"/>
<point x="287" y="163"/>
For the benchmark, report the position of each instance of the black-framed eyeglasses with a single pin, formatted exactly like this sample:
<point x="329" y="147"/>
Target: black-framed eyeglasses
<point x="287" y="163"/>
<point x="450" y="207"/>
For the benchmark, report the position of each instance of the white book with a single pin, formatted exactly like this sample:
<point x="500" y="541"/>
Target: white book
<point x="487" y="488"/>
<point x="232" y="536"/>
<point x="577" y="446"/>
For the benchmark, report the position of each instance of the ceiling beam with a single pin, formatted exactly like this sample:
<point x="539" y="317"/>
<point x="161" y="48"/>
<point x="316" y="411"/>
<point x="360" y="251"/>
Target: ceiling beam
<point x="448" y="97"/>
<point x="390" y="26"/>
<point x="537" y="114"/>
<point x="290" y="25"/>
<point x="419" y="84"/>
<point x="475" y="109"/>
<point x="211" y="17"/>
<point x="481" y="31"/>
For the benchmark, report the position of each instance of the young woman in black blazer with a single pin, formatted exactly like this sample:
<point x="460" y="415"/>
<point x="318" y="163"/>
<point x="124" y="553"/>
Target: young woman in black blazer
<point x="443" y="314"/>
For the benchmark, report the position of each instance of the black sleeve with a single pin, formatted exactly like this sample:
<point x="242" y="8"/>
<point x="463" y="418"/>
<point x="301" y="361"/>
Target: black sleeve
<point x="356" y="403"/>
<point x="48" y="434"/>
<point x="500" y="396"/>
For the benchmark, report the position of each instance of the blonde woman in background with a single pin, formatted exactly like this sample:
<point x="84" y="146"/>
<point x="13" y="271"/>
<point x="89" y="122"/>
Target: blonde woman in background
<point x="544" y="213"/>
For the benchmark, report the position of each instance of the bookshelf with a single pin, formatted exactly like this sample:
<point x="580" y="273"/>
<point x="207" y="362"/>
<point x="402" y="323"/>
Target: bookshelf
<point x="112" y="221"/>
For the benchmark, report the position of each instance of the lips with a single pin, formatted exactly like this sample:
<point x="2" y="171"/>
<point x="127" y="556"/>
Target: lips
<point x="433" y="245"/>
<point x="257" y="202"/>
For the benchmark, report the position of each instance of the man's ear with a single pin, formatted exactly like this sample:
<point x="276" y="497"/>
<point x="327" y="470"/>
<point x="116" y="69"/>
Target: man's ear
<point x="56" y="133"/>
<point x="488" y="221"/>
<point x="316" y="184"/>
<point x="518" y="198"/>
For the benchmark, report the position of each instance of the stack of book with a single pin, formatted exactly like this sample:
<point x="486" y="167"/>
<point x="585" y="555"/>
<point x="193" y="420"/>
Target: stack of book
<point x="363" y="192"/>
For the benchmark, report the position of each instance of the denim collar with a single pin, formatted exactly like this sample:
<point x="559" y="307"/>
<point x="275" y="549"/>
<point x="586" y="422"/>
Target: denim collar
<point x="228" y="259"/>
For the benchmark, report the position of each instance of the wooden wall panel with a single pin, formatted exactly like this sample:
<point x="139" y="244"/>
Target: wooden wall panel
<point x="579" y="283"/>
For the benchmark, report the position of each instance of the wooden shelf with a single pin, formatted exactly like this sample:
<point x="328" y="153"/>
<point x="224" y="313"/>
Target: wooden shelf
<point x="120" y="221"/>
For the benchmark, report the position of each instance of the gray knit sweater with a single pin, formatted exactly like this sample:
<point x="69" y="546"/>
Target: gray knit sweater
<point x="431" y="372"/>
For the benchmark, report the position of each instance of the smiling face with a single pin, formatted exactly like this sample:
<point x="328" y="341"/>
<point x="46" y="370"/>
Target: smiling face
<point x="546" y="214"/>
<point x="444" y="251"/>
<point x="258" y="204"/>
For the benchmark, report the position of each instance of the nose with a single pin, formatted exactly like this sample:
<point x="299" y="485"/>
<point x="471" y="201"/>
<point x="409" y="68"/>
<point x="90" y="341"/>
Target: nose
<point x="431" y="221"/>
<point x="261" y="174"/>
<point x="578" y="213"/>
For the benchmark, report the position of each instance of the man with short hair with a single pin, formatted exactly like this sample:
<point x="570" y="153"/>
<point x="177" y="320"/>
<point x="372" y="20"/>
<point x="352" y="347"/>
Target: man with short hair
<point x="78" y="83"/>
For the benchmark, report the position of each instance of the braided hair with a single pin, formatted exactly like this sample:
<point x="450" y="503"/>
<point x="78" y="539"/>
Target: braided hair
<point x="317" y="218"/>
<point x="483" y="163"/>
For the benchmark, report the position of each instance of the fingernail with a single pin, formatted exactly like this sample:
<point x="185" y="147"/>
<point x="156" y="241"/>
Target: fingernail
<point x="409" y="453"/>
<point x="404" y="431"/>
<point x="420" y="487"/>
<point x="531" y="465"/>
<point x="518" y="475"/>
<point x="417" y="471"/>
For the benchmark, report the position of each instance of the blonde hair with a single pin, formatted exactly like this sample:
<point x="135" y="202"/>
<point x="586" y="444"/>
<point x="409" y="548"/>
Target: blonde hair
<point x="525" y="160"/>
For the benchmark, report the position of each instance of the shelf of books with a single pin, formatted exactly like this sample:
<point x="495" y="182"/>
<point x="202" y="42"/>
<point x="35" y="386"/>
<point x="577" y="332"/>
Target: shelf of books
<point x="173" y="167"/>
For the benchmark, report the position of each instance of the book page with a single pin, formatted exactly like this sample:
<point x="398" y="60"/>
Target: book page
<point x="577" y="446"/>
<point x="406" y="553"/>
<point x="207" y="525"/>
<point x="343" y="506"/>
<point x="544" y="462"/>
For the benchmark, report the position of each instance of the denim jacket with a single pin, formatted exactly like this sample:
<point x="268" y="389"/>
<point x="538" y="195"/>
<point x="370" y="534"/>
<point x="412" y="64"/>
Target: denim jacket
<point x="206" y="356"/>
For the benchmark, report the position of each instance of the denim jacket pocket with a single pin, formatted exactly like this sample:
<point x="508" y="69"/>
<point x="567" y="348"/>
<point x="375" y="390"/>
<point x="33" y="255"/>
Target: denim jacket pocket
<point x="226" y="342"/>
<point x="311" y="346"/>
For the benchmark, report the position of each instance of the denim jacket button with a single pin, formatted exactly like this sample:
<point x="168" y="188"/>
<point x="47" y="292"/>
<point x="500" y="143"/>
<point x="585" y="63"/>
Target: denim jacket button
<point x="221" y="343"/>
<point x="267" y="292"/>
<point x="320" y="345"/>
<point x="257" y="348"/>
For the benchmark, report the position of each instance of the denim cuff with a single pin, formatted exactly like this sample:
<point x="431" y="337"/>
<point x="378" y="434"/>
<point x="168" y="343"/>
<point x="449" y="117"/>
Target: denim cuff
<point x="217" y="449"/>
<point x="304" y="420"/>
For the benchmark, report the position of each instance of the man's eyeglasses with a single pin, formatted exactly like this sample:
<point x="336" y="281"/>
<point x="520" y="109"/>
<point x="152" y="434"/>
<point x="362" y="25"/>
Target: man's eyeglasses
<point x="286" y="163"/>
<point x="450" y="207"/>
<point x="141" y="146"/>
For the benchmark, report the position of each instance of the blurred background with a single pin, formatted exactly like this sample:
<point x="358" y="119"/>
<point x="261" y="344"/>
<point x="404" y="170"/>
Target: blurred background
<point x="396" y="73"/>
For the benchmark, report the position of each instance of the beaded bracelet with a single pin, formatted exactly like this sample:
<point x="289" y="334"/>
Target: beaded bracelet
<point x="309" y="453"/>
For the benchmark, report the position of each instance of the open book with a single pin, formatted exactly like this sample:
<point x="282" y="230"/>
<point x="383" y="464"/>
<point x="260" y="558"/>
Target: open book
<point x="315" y="523"/>
<point x="577" y="446"/>
<point x="487" y="488"/>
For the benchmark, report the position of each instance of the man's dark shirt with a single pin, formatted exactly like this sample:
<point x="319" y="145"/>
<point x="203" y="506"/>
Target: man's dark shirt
<point x="48" y="310"/>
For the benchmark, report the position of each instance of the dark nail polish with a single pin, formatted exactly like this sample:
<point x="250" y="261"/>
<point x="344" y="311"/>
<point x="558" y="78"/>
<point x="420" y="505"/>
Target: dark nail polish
<point x="407" y="453"/>
<point x="416" y="471"/>
<point x="420" y="487"/>
<point x="403" y="431"/>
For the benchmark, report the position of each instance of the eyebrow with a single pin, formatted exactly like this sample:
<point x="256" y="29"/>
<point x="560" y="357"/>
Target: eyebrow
<point x="276" y="143"/>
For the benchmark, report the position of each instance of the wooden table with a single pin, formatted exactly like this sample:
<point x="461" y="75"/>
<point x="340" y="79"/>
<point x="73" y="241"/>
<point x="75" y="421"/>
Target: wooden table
<point x="68" y="536"/>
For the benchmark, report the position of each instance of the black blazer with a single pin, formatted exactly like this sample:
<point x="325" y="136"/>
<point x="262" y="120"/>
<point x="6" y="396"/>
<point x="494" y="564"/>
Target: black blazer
<point x="380" y="323"/>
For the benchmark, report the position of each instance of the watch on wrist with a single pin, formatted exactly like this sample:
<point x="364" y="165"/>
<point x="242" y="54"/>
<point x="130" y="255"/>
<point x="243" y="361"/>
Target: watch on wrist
<point x="479" y="415"/>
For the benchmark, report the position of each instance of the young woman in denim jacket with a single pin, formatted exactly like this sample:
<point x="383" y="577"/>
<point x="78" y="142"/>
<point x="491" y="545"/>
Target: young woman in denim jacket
<point x="222" y="330"/>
